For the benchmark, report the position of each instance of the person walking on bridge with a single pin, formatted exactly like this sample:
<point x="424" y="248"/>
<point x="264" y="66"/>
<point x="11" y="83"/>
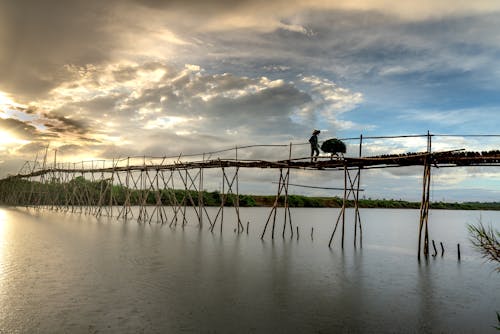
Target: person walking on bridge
<point x="314" y="145"/>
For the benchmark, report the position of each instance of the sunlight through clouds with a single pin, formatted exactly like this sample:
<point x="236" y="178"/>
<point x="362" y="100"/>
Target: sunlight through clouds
<point x="7" y="140"/>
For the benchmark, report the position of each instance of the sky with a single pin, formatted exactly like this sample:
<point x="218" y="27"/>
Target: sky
<point x="106" y="79"/>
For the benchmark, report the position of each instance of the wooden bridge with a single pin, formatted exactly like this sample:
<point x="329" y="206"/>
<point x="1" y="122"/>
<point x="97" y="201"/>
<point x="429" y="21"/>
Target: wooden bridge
<point x="113" y="187"/>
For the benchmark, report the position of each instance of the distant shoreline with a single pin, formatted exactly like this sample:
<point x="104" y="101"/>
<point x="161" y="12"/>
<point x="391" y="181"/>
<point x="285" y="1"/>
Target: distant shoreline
<point x="336" y="202"/>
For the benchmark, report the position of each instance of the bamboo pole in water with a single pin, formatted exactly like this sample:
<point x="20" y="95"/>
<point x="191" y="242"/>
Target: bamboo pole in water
<point x="344" y="202"/>
<point x="276" y="202"/>
<point x="273" y="210"/>
<point x="237" y="204"/>
<point x="200" y="194"/>
<point x="357" y="217"/>
<point x="287" y="205"/>
<point x="222" y="199"/>
<point x="424" y="206"/>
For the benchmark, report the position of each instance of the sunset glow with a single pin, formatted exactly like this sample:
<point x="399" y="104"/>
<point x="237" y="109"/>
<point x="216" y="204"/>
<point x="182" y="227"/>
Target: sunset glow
<point x="8" y="139"/>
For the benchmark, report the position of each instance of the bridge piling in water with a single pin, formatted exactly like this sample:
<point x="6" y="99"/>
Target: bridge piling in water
<point x="425" y="204"/>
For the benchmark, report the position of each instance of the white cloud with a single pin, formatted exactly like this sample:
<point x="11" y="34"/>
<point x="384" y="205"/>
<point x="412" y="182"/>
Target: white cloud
<point x="139" y="102"/>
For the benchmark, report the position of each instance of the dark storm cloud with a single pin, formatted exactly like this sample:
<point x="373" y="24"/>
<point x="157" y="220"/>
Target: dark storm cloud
<point x="70" y="149"/>
<point x="39" y="37"/>
<point x="22" y="130"/>
<point x="32" y="148"/>
<point x="192" y="144"/>
<point x="63" y="124"/>
<point x="263" y="113"/>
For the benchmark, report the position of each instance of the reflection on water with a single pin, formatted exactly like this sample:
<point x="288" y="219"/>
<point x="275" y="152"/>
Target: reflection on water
<point x="72" y="273"/>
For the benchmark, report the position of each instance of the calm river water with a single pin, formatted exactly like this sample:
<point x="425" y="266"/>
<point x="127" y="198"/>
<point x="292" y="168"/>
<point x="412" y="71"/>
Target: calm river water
<point x="72" y="273"/>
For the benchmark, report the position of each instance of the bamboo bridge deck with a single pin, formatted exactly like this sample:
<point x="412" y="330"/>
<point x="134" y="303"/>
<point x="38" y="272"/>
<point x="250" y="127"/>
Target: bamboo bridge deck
<point x="89" y="187"/>
<point x="456" y="158"/>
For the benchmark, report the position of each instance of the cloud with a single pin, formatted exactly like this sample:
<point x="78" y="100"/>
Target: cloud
<point x="20" y="129"/>
<point x="162" y="97"/>
<point x="51" y="35"/>
<point x="92" y="32"/>
<point x="31" y="149"/>
<point x="100" y="79"/>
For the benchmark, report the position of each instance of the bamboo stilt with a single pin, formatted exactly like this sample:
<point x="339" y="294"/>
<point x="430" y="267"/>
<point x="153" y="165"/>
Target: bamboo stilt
<point x="424" y="206"/>
<point x="281" y="185"/>
<point x="357" y="217"/>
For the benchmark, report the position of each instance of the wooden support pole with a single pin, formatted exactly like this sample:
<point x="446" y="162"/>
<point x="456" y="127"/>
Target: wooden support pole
<point x="286" y="204"/>
<point x="275" y="205"/>
<point x="173" y="199"/>
<point x="222" y="199"/>
<point x="276" y="202"/>
<point x="424" y="206"/>
<point x="237" y="204"/>
<point x="344" y="203"/>
<point x="357" y="217"/>
<point x="200" y="195"/>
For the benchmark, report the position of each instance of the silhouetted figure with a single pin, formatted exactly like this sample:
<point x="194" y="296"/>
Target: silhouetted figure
<point x="314" y="145"/>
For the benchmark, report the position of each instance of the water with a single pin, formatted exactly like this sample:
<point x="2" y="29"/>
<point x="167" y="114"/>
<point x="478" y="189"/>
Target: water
<point x="72" y="273"/>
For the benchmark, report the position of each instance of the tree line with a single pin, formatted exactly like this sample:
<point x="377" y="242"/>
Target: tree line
<point x="80" y="191"/>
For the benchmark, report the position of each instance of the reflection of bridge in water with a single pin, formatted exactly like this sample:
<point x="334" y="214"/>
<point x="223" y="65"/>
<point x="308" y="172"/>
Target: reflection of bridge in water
<point x="112" y="187"/>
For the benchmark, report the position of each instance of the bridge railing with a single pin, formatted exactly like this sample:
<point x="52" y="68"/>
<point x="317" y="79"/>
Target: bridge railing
<point x="356" y="147"/>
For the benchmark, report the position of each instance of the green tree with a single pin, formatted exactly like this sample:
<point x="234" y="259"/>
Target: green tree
<point x="487" y="241"/>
